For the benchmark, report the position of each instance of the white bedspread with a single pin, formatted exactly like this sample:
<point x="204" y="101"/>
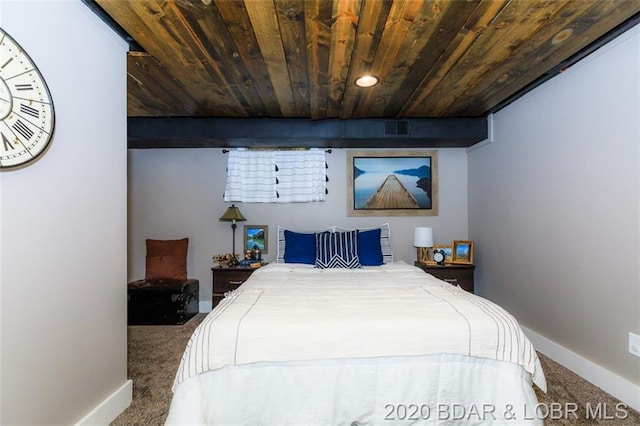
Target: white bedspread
<point x="288" y="312"/>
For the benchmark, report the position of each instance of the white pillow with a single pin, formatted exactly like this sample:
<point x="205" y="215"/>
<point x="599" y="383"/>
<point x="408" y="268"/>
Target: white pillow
<point x="385" y="239"/>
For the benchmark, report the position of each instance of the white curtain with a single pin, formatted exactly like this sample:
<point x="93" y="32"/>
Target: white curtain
<point x="251" y="176"/>
<point x="301" y="176"/>
<point x="276" y="176"/>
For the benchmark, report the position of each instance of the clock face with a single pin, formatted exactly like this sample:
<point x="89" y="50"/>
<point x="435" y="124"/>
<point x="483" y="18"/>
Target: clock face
<point x="26" y="108"/>
<point x="438" y="256"/>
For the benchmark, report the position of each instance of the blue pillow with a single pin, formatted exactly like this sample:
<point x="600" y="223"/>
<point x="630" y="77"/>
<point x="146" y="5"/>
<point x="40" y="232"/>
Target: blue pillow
<point x="300" y="248"/>
<point x="369" y="247"/>
<point x="337" y="250"/>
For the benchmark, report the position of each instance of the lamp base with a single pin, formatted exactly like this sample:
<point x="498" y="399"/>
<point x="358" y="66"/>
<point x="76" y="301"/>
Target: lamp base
<point x="423" y="255"/>
<point x="234" y="261"/>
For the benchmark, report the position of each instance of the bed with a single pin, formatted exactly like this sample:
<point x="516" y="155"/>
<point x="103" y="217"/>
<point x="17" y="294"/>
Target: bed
<point x="385" y="344"/>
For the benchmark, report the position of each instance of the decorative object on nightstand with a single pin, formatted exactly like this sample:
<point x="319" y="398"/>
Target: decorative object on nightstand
<point x="462" y="252"/>
<point x="446" y="248"/>
<point x="222" y="259"/>
<point x="457" y="275"/>
<point x="439" y="256"/>
<point x="256" y="235"/>
<point x="423" y="240"/>
<point x="233" y="215"/>
<point x="252" y="258"/>
<point x="257" y="254"/>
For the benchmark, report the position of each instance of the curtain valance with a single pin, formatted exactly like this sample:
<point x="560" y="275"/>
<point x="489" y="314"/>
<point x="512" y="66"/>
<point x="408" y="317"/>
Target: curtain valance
<point x="276" y="176"/>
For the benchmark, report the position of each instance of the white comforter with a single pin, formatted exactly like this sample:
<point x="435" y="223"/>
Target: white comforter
<point x="294" y="313"/>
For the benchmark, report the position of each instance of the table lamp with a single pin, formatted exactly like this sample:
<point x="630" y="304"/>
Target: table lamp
<point x="233" y="215"/>
<point x="423" y="240"/>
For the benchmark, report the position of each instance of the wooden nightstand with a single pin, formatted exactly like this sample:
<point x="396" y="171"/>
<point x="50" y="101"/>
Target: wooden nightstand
<point x="455" y="274"/>
<point x="227" y="279"/>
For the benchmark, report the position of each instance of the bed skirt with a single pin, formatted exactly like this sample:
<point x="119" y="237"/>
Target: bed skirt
<point x="428" y="389"/>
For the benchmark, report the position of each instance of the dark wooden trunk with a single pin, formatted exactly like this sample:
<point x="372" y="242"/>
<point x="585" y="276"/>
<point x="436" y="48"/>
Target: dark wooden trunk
<point x="162" y="302"/>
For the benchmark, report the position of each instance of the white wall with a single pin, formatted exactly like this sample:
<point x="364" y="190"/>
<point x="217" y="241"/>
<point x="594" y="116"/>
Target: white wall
<point x="554" y="203"/>
<point x="63" y="226"/>
<point x="175" y="193"/>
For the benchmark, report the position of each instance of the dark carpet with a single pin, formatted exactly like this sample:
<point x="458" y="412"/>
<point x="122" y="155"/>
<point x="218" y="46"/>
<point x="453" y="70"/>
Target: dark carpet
<point x="155" y="352"/>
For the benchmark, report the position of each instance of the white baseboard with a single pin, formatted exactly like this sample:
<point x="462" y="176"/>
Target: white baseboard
<point x="617" y="386"/>
<point x="110" y="408"/>
<point x="205" y="307"/>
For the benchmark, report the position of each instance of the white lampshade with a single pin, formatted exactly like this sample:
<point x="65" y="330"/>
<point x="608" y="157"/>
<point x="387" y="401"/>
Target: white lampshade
<point x="423" y="237"/>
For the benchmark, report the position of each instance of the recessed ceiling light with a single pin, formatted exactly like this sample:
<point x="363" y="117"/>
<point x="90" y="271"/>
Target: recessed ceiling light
<point x="366" y="81"/>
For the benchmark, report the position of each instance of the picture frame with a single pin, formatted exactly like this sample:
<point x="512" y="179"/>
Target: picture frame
<point x="256" y="235"/>
<point x="462" y="252"/>
<point x="448" y="252"/>
<point x="392" y="183"/>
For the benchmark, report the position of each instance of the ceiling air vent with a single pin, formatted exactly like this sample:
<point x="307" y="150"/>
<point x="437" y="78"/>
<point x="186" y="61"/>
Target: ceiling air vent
<point x="396" y="127"/>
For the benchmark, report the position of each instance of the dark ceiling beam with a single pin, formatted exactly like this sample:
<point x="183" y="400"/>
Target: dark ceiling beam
<point x="206" y="132"/>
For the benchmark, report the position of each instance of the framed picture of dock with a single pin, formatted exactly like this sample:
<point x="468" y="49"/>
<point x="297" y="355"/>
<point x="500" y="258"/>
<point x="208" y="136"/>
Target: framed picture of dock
<point x="392" y="183"/>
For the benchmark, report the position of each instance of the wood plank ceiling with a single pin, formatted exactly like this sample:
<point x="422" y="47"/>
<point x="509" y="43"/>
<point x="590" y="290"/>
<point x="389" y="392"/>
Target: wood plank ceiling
<point x="300" y="58"/>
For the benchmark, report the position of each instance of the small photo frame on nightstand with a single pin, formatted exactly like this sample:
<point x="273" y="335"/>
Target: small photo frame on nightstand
<point x="256" y="236"/>
<point x="462" y="252"/>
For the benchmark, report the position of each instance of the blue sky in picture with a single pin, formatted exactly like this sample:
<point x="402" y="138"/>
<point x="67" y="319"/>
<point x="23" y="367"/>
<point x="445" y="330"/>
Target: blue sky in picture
<point x="462" y="251"/>
<point x="390" y="164"/>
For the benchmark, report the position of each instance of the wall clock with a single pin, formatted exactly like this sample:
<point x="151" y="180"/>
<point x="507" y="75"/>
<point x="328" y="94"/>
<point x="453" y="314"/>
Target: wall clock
<point x="26" y="108"/>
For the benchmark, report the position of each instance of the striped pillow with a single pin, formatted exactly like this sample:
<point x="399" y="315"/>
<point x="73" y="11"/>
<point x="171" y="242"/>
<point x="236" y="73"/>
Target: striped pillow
<point x="337" y="250"/>
<point x="385" y="240"/>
